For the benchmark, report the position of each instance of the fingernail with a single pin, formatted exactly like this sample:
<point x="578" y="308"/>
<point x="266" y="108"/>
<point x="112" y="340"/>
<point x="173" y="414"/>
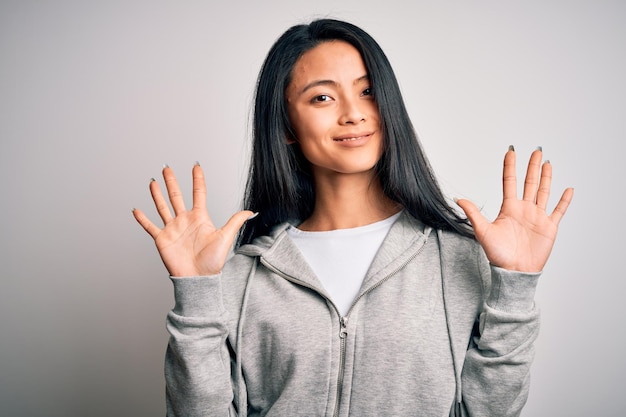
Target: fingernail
<point x="511" y="148"/>
<point x="547" y="161"/>
<point x="152" y="180"/>
<point x="539" y="148"/>
<point x="165" y="166"/>
<point x="196" y="163"/>
<point x="456" y="200"/>
<point x="253" y="216"/>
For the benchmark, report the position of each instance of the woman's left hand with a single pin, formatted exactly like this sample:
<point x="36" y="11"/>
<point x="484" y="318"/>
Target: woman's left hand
<point x="522" y="236"/>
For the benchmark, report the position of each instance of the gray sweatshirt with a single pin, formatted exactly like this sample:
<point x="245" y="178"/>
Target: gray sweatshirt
<point x="434" y="331"/>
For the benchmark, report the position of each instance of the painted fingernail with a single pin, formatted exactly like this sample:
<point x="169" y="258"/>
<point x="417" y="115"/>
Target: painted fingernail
<point x="152" y="180"/>
<point x="253" y="216"/>
<point x="165" y="166"/>
<point x="511" y="148"/>
<point x="547" y="161"/>
<point x="539" y="148"/>
<point x="196" y="163"/>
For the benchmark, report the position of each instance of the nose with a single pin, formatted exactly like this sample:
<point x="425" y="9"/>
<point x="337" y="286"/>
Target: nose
<point x="351" y="112"/>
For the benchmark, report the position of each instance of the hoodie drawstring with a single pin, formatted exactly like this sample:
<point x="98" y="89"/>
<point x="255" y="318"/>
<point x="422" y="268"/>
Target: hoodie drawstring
<point x="457" y="372"/>
<point x="242" y="395"/>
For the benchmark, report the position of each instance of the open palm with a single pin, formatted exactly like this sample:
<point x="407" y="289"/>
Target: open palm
<point x="523" y="234"/>
<point x="189" y="244"/>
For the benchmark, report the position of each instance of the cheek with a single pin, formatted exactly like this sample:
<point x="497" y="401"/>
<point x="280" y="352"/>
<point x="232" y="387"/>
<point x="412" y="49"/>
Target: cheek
<point x="295" y="120"/>
<point x="373" y="111"/>
<point x="308" y="126"/>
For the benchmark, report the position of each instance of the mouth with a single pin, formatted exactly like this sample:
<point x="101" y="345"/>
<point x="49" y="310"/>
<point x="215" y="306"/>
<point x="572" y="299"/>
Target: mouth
<point x="353" y="137"/>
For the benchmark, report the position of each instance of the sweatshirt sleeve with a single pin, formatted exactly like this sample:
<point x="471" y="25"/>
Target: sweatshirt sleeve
<point x="496" y="371"/>
<point x="197" y="362"/>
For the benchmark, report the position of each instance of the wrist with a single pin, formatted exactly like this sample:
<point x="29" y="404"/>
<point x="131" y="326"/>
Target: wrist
<point x="197" y="296"/>
<point x="512" y="291"/>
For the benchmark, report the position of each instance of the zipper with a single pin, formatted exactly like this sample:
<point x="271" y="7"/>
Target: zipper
<point x="343" y="333"/>
<point x="343" y="320"/>
<point x="386" y="278"/>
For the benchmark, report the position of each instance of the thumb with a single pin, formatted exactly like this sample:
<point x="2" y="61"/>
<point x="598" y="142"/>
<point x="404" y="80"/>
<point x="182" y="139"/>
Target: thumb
<point x="472" y="212"/>
<point x="232" y="226"/>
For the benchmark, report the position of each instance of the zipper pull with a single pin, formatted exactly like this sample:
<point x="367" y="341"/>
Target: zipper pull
<point x="343" y="330"/>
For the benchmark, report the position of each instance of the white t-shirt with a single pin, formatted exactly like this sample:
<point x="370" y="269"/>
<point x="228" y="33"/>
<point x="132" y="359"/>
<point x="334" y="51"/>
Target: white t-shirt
<point x="340" y="258"/>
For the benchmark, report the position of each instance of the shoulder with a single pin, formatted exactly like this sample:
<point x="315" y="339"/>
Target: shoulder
<point x="464" y="262"/>
<point x="239" y="264"/>
<point x="245" y="258"/>
<point x="462" y="247"/>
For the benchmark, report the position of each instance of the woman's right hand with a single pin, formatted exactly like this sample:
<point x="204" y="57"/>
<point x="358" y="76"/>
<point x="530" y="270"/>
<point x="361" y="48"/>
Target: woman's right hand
<point x="189" y="243"/>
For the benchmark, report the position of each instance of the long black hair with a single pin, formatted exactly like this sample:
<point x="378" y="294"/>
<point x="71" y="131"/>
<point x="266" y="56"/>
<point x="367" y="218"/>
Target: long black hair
<point x="280" y="184"/>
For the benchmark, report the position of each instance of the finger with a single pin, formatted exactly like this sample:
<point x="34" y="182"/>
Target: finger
<point x="148" y="226"/>
<point x="532" y="176"/>
<point x="159" y="202"/>
<point x="509" y="179"/>
<point x="473" y="214"/>
<point x="562" y="205"/>
<point x="543" y="192"/>
<point x="199" y="187"/>
<point x="173" y="190"/>
<point x="234" y="224"/>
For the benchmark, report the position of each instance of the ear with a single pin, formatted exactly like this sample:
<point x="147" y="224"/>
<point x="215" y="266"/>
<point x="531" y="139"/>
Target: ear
<point x="290" y="140"/>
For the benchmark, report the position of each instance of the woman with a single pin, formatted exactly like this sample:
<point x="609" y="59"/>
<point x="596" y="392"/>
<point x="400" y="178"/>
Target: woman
<point x="355" y="288"/>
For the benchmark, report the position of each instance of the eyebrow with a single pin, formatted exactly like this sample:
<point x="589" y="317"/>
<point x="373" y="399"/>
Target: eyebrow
<point x="331" y="82"/>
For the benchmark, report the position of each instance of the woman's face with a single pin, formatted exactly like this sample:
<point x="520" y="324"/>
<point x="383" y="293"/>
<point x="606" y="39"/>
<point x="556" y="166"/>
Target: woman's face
<point x="333" y="112"/>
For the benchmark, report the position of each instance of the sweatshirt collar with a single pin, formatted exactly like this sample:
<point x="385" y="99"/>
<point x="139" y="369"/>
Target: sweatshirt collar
<point x="405" y="237"/>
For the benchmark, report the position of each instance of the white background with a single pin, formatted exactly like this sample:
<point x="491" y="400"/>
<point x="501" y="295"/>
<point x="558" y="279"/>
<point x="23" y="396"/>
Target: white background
<point x="96" y="96"/>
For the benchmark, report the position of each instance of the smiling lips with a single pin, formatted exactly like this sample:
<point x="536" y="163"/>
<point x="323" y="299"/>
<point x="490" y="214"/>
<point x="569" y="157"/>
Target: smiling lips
<point x="353" y="137"/>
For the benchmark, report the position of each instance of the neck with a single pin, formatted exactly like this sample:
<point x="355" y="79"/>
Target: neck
<point x="347" y="201"/>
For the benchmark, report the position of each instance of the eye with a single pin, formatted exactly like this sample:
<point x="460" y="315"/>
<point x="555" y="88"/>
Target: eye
<point x="322" y="98"/>
<point x="367" y="92"/>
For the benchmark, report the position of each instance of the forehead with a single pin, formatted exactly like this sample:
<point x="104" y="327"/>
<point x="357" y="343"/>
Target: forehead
<point x="333" y="60"/>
